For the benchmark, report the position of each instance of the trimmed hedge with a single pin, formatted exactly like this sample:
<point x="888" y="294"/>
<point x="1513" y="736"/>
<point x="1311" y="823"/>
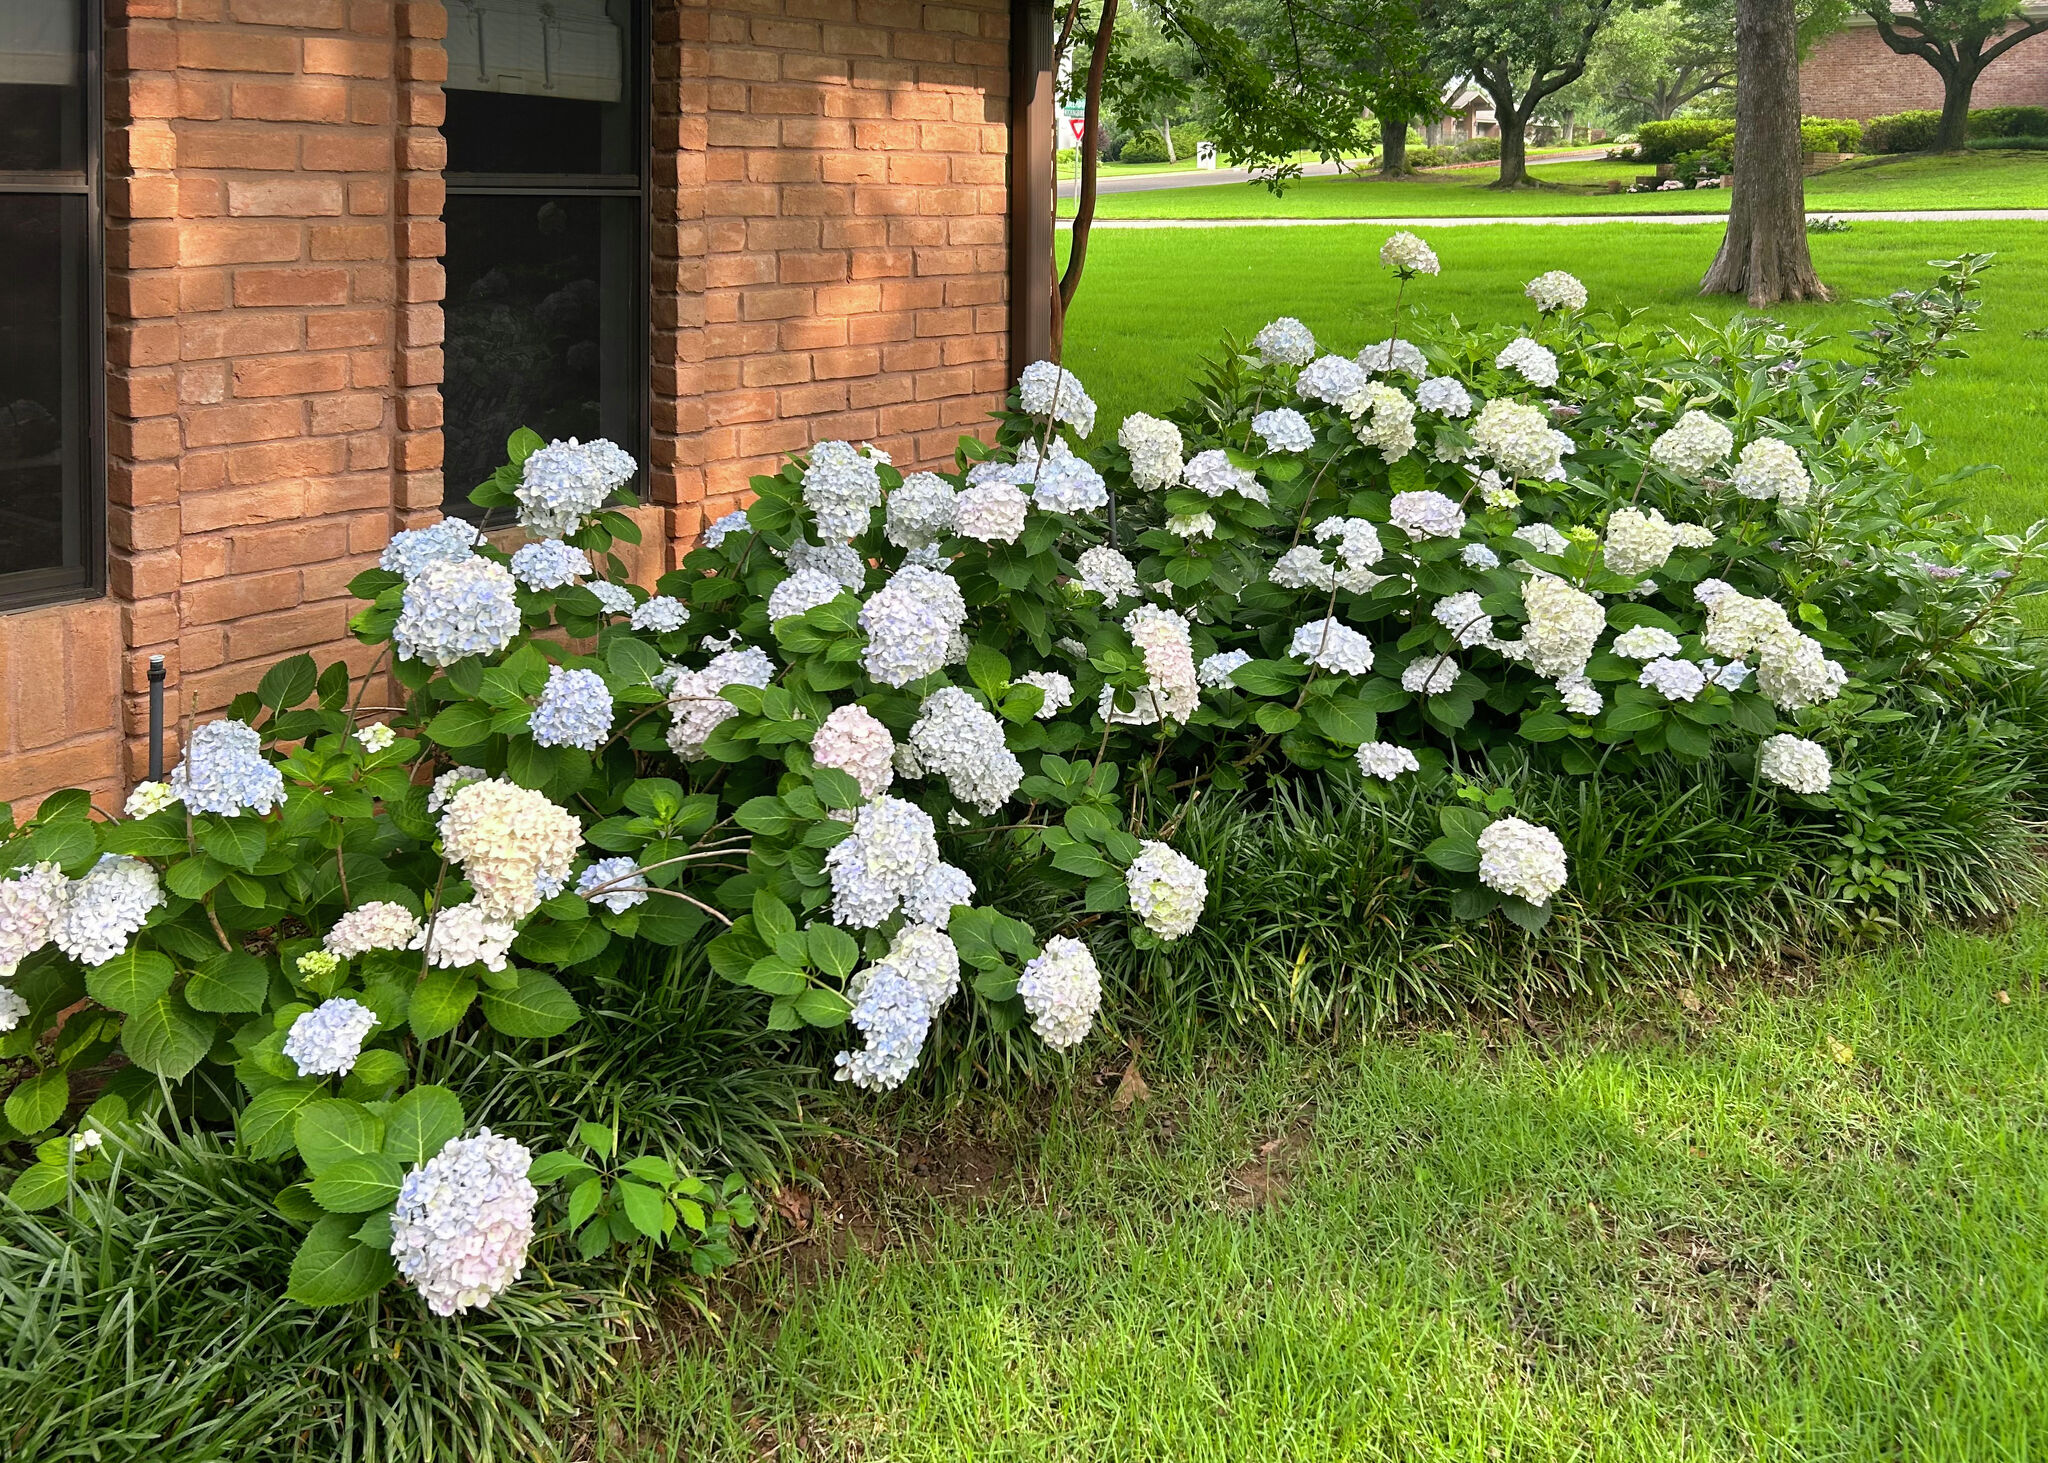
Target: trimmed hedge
<point x="2007" y="144"/>
<point x="2009" y="122"/>
<point x="1663" y="142"/>
<point x="1149" y="147"/>
<point x="1915" y="131"/>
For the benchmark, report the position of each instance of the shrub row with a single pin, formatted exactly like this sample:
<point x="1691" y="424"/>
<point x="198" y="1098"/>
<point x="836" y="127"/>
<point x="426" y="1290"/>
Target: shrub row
<point x="1663" y="142"/>
<point x="1915" y="131"/>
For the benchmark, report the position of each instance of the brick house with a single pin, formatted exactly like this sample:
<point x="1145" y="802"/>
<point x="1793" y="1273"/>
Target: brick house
<point x="277" y="277"/>
<point x="1853" y="73"/>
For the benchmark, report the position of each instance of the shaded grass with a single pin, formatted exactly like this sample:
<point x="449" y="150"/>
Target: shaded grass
<point x="1799" y="1225"/>
<point x="1971" y="180"/>
<point x="1154" y="302"/>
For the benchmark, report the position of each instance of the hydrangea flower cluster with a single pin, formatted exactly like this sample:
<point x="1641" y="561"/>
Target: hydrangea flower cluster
<point x="894" y="1002"/>
<point x="1524" y="859"/>
<point x="1520" y="441"/>
<point x="1769" y="469"/>
<point x="1167" y="889"/>
<point x="852" y="740"/>
<point x="694" y="706"/>
<point x="1562" y="628"/>
<point x="1637" y="542"/>
<point x="463" y="935"/>
<point x="1795" y="673"/>
<point x="935" y="893"/>
<point x="511" y="842"/>
<point x="1061" y="990"/>
<point x="613" y="882"/>
<point x="1386" y="761"/>
<point x="377" y="925"/>
<point x="1556" y="290"/>
<point x="412" y="550"/>
<point x="842" y="487"/>
<point x="1047" y="392"/>
<point x="1795" y="763"/>
<point x="1646" y="642"/>
<point x="456" y="608"/>
<point x="1391" y="423"/>
<point x="1213" y="474"/>
<point x="1465" y="617"/>
<point x="1430" y="675"/>
<point x="1675" y="680"/>
<point x="722" y="528"/>
<point x="955" y="737"/>
<point x="463" y="1222"/>
<point x="1332" y="645"/>
<point x="802" y="592"/>
<point x="612" y="599"/>
<point x="146" y="799"/>
<point x="910" y="623"/>
<point x="377" y="737"/>
<point x="1284" y="430"/>
<point x="1444" y="395"/>
<point x="920" y="512"/>
<point x="1426" y="514"/>
<point x="224" y="772"/>
<point x="1215" y="671"/>
<point x="13" y="1008"/>
<point x="1059" y="481"/>
<point x="662" y="614"/>
<point x="1478" y="556"/>
<point x="448" y="782"/>
<point x="1394" y="355"/>
<point x="106" y="909"/>
<point x="1108" y="573"/>
<point x="31" y="902"/>
<point x="1171" y="692"/>
<point x="325" y="1041"/>
<point x="1407" y="256"/>
<point x="1155" y="450"/>
<point x="893" y="845"/>
<point x="549" y="564"/>
<point x="1536" y="364"/>
<point x="1285" y="342"/>
<point x="566" y="482"/>
<point x="991" y="512"/>
<point x="1693" y="445"/>
<point x="575" y="710"/>
<point x="1058" y="689"/>
<point x="1336" y="381"/>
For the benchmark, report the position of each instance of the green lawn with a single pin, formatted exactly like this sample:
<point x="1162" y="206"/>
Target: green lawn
<point x="1973" y="180"/>
<point x="1779" y="1224"/>
<point x="1154" y="300"/>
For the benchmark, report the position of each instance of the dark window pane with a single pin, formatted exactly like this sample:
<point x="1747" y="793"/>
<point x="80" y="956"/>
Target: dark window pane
<point x="538" y="88"/>
<point x="42" y="116"/>
<point x="543" y="327"/>
<point x="43" y="385"/>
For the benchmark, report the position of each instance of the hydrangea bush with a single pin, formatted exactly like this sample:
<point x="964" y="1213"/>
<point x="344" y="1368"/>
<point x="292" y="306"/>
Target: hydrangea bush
<point x="1602" y="547"/>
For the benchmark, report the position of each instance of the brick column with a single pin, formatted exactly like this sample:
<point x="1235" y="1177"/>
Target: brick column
<point x="422" y="239"/>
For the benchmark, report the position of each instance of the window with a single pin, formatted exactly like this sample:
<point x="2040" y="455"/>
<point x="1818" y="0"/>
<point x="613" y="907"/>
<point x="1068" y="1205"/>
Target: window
<point x="548" y="159"/>
<point x="51" y="530"/>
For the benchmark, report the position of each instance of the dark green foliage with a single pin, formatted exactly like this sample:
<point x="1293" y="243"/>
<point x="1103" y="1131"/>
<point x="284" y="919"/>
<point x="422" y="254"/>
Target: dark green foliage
<point x="2008" y="144"/>
<point x="1901" y="131"/>
<point x="2009" y="122"/>
<point x="1663" y="142"/>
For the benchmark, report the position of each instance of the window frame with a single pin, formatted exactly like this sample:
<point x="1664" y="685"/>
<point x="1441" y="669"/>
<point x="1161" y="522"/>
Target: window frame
<point x="639" y="75"/>
<point x="27" y="588"/>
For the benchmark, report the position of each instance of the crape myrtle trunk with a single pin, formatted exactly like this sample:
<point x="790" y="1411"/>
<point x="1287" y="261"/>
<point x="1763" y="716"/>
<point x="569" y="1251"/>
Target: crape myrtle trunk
<point x="1764" y="255"/>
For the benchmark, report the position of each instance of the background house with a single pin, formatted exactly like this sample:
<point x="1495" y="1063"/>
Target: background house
<point x="1852" y="73"/>
<point x="277" y="277"/>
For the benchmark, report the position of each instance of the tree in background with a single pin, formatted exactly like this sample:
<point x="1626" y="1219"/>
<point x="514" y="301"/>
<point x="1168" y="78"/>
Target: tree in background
<point x="1764" y="255"/>
<point x="1519" y="52"/>
<point x="1648" y="63"/>
<point x="1149" y="84"/>
<point x="1958" y="38"/>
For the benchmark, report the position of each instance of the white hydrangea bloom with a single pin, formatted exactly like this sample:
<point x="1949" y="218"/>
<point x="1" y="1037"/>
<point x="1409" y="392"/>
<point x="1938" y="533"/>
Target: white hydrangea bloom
<point x="694" y="706"/>
<point x="1391" y="426"/>
<point x="716" y="533"/>
<point x="1191" y="526"/>
<point x="1708" y="591"/>
<point x="1526" y="860"/>
<point x="463" y="1221"/>
<point x="616" y="883"/>
<point x="955" y="737"/>
<point x="565" y="482"/>
<point x="376" y="737"/>
<point x="1535" y="363"/>
<point x="31" y="903"/>
<point x="1058" y="689"/>
<point x="1444" y="395"/>
<point x="1543" y="538"/>
<point x="1213" y="474"/>
<point x="13" y="1009"/>
<point x="1478" y="556"/>
<point x="1338" y="381"/>
<point x="920" y="512"/>
<point x="1214" y="672"/>
<point x="412" y="550"/>
<point x="1406" y="255"/>
<point x="549" y="564"/>
<point x="1646" y="642"/>
<point x="1386" y="761"/>
<point x="377" y="925"/>
<point x="1430" y="675"/>
<point x="1045" y="390"/>
<point x="224" y="772"/>
<point x="1284" y="430"/>
<point x="1738" y="624"/>
<point x="1062" y="990"/>
<point x="991" y="512"/>
<point x="1696" y="443"/>
<point x="1795" y="763"/>
<point x="445" y="785"/>
<point x="510" y="842"/>
<point x="910" y="623"/>
<point x="1462" y="615"/>
<point x="1581" y="696"/>
<point x="1108" y="573"/>
<point x="106" y="909"/>
<point x="1693" y="536"/>
<point x="933" y="895"/>
<point x="1394" y="355"/>
<point x="1771" y="469"/>
<point x="1059" y="481"/>
<point x="1520" y="440"/>
<point x="854" y="742"/>
<point x="1167" y="889"/>
<point x="1675" y="680"/>
<point x="1155" y="450"/>
<point x="1563" y="626"/>
<point x="1556" y="290"/>
<point x="1731" y="677"/>
<point x="662" y="614"/>
<point x="456" y="608"/>
<point x="802" y="591"/>
<point x="149" y="798"/>
<point x="1285" y="342"/>
<point x="612" y="599"/>
<point x="1637" y="542"/>
<point x="1333" y="646"/>
<point x="1795" y="672"/>
<point x="575" y="710"/>
<point x="325" y="1041"/>
<point x="463" y="935"/>
<point x="1172" y="692"/>
<point x="893" y="845"/>
<point x="1494" y="493"/>
<point x="842" y="487"/>
<point x="1426" y="514"/>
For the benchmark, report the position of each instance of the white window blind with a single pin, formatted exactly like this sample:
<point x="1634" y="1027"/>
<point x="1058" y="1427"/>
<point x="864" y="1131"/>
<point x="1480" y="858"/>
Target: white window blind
<point x="38" y="42"/>
<point x="555" y="48"/>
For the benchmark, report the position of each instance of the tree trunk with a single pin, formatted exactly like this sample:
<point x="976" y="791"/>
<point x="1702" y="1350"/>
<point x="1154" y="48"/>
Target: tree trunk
<point x="1514" y="152"/>
<point x="1956" y="87"/>
<point x="1764" y="255"/>
<point x="1571" y="127"/>
<point x="1091" y="169"/>
<point x="1166" y="131"/>
<point x="1393" y="146"/>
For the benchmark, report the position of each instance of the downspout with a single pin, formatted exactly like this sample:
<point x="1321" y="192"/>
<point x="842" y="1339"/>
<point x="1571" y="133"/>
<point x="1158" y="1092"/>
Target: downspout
<point x="1031" y="183"/>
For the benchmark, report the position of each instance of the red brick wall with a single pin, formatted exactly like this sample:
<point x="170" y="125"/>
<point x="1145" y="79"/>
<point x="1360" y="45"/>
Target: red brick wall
<point x="830" y="260"/>
<point x="1852" y="73"/>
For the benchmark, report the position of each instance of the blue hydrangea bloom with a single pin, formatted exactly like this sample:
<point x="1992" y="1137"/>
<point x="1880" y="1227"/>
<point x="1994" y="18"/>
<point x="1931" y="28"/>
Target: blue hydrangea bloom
<point x="224" y="771"/>
<point x="575" y="710"/>
<point x="894" y="1014"/>
<point x="549" y="564"/>
<point x="615" y="599"/>
<point x="410" y="552"/>
<point x="565" y="482"/>
<point x="455" y="609"/>
<point x="661" y="615"/>
<point x="622" y="896"/>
